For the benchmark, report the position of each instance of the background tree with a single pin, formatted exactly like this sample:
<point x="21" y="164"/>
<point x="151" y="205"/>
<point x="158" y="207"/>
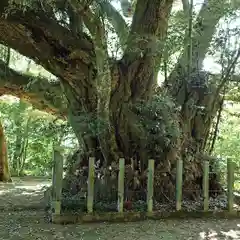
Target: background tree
<point x="4" y="168"/>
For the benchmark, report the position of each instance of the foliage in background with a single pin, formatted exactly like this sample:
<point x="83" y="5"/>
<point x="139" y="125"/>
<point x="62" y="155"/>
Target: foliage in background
<point x="31" y="135"/>
<point x="228" y="140"/>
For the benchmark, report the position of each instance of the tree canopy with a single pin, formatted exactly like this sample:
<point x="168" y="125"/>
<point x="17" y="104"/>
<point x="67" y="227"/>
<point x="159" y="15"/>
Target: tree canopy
<point x="62" y="37"/>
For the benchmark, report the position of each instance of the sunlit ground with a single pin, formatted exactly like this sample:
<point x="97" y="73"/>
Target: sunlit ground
<point x="22" y="192"/>
<point x="212" y="234"/>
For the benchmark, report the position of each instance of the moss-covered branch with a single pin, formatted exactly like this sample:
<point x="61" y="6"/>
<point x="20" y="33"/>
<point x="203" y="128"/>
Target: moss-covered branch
<point x="40" y="36"/>
<point x="145" y="46"/>
<point x="40" y="92"/>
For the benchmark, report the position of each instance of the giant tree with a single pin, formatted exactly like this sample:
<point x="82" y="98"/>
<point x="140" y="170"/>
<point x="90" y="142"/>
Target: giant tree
<point x="113" y="104"/>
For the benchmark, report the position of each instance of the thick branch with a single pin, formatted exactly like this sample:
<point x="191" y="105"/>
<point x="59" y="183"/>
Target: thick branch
<point x="38" y="36"/>
<point x="148" y="29"/>
<point x="43" y="94"/>
<point x="103" y="81"/>
<point x="204" y="29"/>
<point x="145" y="45"/>
<point x="117" y="21"/>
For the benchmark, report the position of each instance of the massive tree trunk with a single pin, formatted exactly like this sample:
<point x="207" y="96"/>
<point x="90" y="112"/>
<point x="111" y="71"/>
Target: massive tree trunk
<point x="112" y="104"/>
<point x="4" y="168"/>
<point x="198" y="93"/>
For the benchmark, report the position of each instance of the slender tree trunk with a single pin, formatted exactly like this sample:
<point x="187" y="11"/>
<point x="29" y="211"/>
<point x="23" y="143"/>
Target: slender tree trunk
<point x="24" y="145"/>
<point x="16" y="154"/>
<point x="19" y="138"/>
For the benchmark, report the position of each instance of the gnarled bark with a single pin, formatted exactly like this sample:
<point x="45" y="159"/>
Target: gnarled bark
<point x="41" y="92"/>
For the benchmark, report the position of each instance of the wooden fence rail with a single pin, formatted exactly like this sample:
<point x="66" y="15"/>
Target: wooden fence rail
<point x="230" y="181"/>
<point x="205" y="186"/>
<point x="90" y="193"/>
<point x="179" y="185"/>
<point x="150" y="185"/>
<point x="58" y="178"/>
<point x="121" y="184"/>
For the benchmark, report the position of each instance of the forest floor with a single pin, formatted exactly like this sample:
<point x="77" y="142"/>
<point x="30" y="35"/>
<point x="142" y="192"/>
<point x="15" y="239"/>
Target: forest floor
<point x="19" y="223"/>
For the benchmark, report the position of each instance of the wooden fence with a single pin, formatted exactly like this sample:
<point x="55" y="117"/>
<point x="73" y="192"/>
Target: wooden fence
<point x="58" y="178"/>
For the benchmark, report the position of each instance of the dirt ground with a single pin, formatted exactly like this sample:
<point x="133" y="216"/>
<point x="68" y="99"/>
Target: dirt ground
<point x="17" y="223"/>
